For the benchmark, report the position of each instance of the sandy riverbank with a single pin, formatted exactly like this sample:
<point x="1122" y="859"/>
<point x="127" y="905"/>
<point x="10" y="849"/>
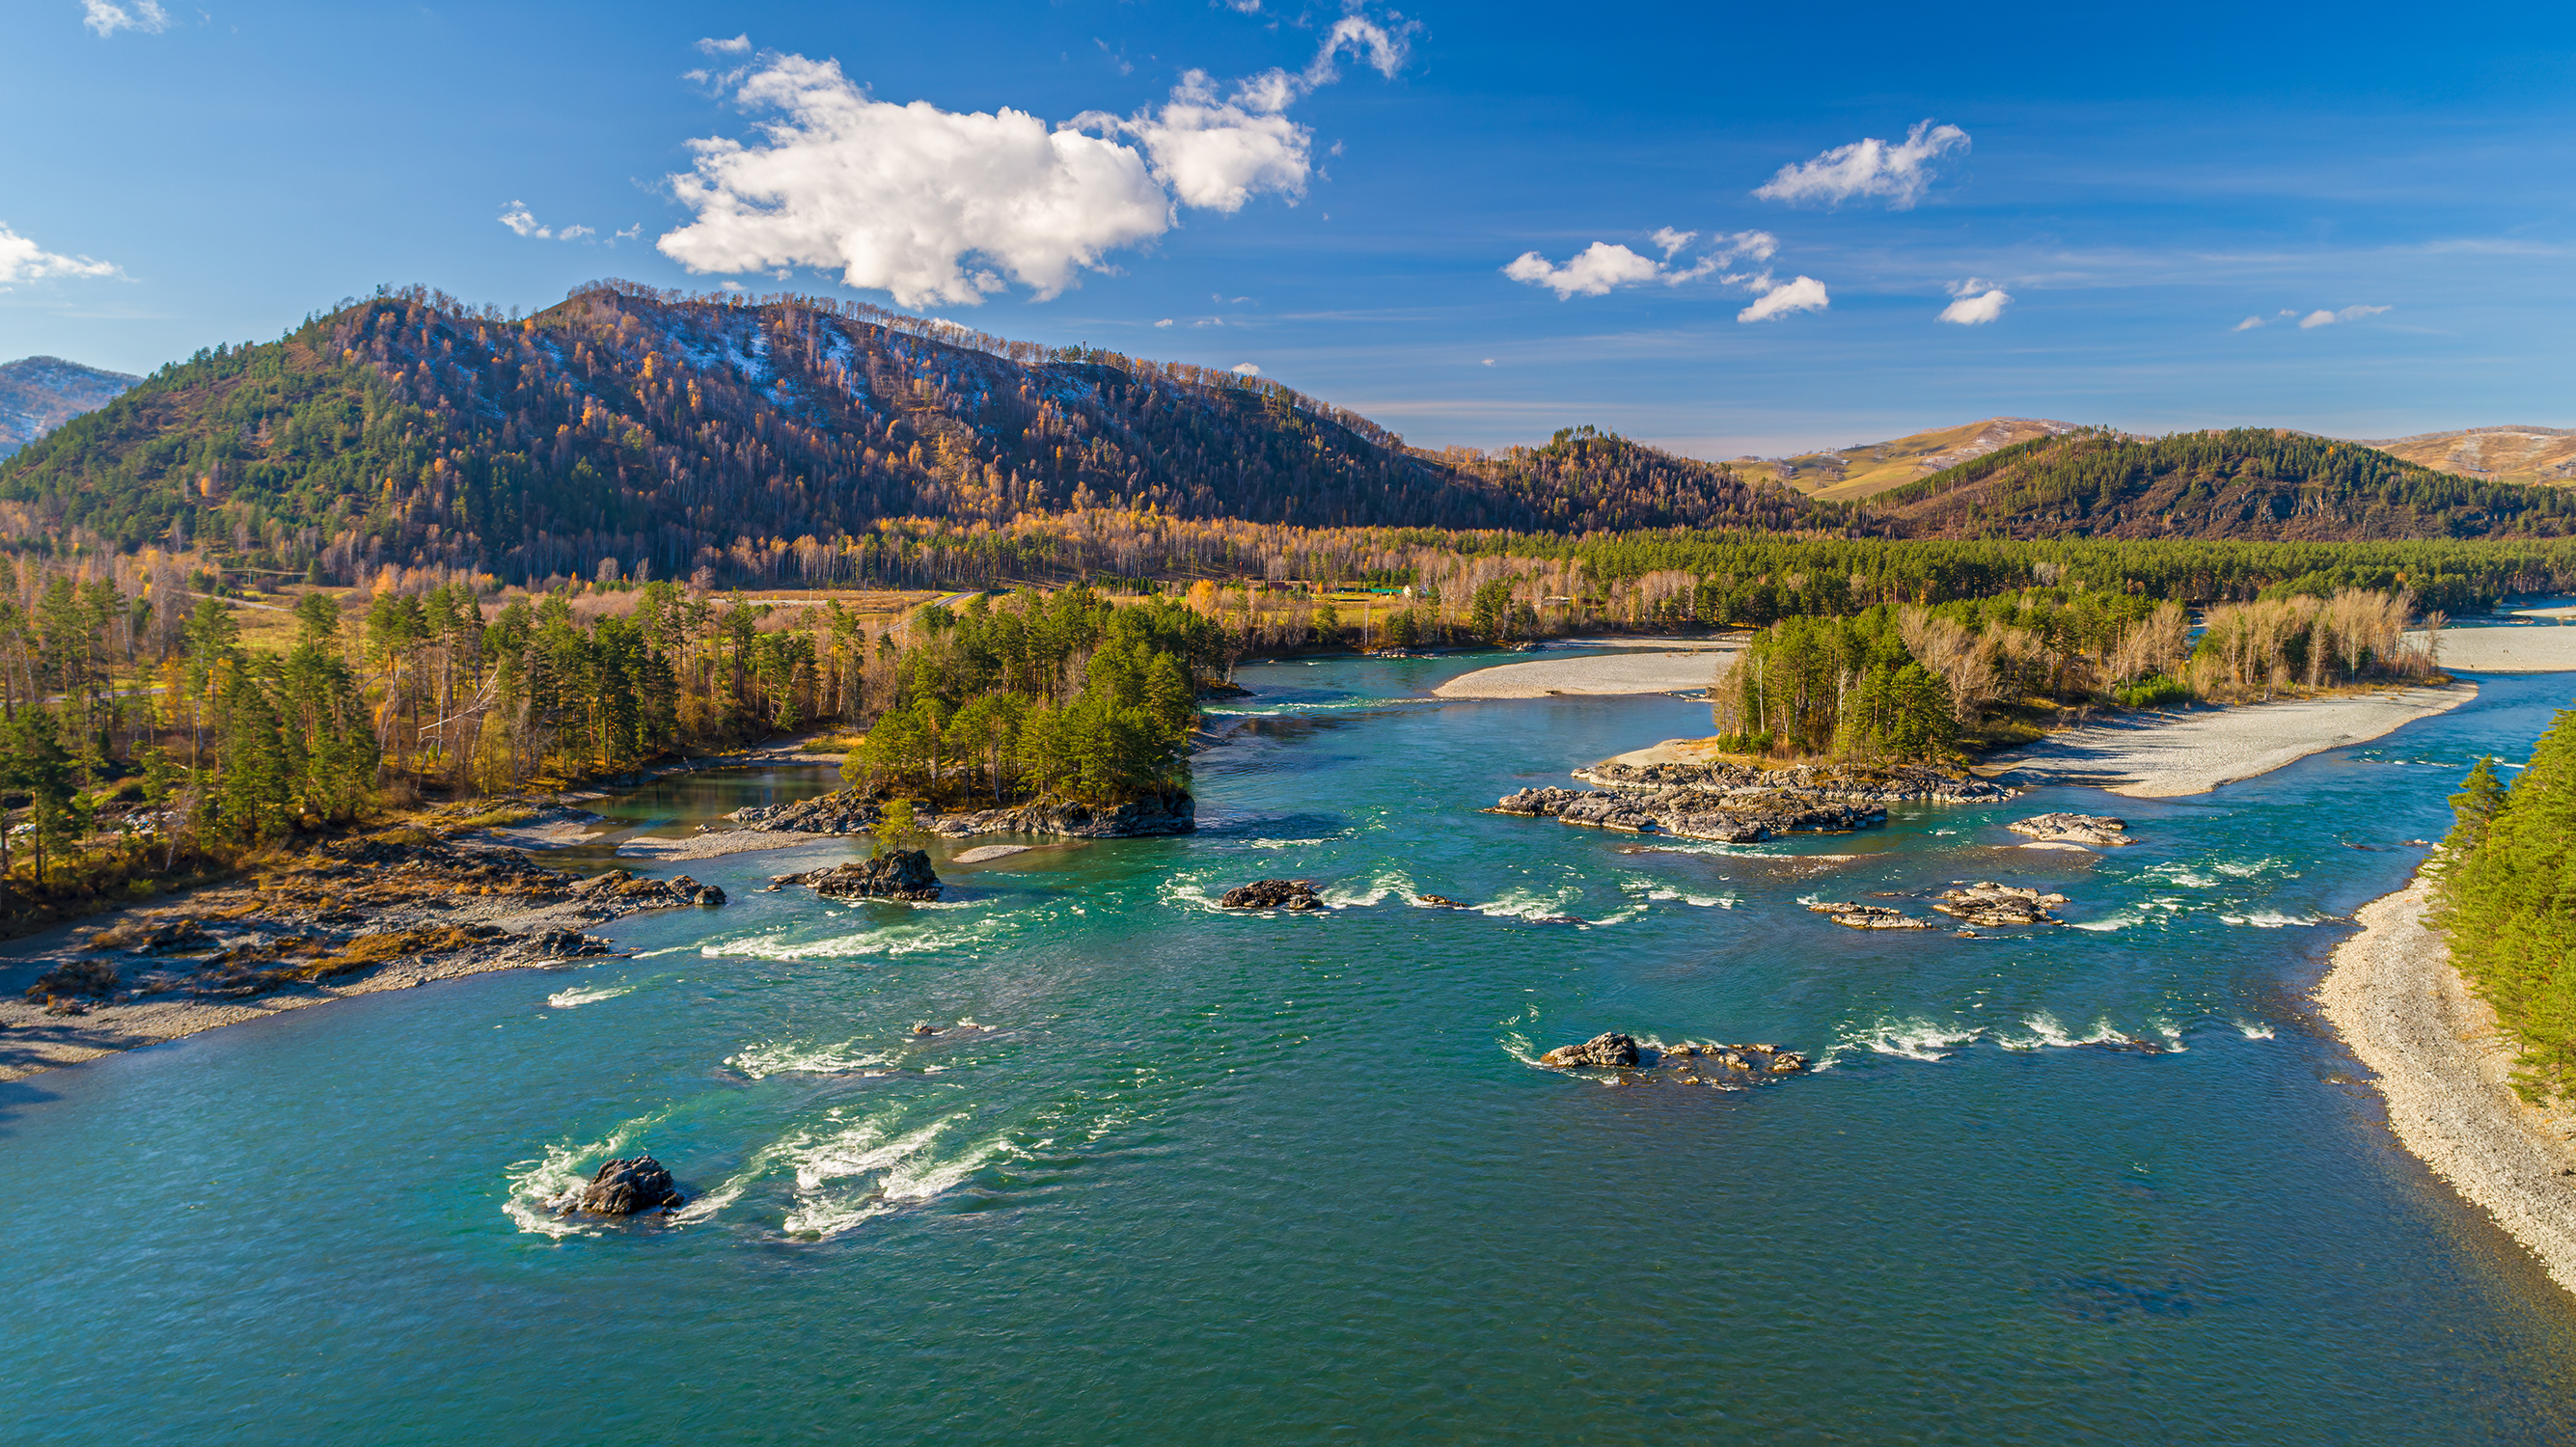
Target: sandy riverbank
<point x="2541" y="648"/>
<point x="2394" y="997"/>
<point x="2163" y="756"/>
<point x="1665" y="670"/>
<point x="720" y="842"/>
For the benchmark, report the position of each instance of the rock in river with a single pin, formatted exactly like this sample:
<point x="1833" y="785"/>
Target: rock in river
<point x="1868" y="916"/>
<point x="1272" y="894"/>
<point x="2099" y="830"/>
<point x="624" y="1188"/>
<point x="898" y="874"/>
<point x="1611" y="1051"/>
<point x="1998" y="904"/>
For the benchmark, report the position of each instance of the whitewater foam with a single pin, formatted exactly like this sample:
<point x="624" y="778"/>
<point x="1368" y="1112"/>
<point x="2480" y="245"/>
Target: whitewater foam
<point x="572" y="999"/>
<point x="780" y="1057"/>
<point x="535" y="1185"/>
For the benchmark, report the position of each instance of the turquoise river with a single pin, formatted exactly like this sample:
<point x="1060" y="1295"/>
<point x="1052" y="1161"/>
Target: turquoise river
<point x="1196" y="1177"/>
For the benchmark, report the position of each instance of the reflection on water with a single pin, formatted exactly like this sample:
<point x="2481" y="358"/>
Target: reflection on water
<point x="679" y="805"/>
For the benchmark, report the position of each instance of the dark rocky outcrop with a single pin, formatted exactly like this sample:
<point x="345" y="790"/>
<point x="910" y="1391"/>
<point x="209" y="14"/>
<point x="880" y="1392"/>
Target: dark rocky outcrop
<point x="1739" y="818"/>
<point x="1998" y="904"/>
<point x="1846" y="783"/>
<point x="896" y="874"/>
<point x="1611" y="1051"/>
<point x="847" y="812"/>
<point x="96" y="979"/>
<point x="1869" y="916"/>
<point x="624" y="1188"/>
<point x="2099" y="830"/>
<point x="566" y="944"/>
<point x="622" y="892"/>
<point x="1684" y="1064"/>
<point x="1297" y="894"/>
<point x="1437" y="901"/>
<point x="1155" y="814"/>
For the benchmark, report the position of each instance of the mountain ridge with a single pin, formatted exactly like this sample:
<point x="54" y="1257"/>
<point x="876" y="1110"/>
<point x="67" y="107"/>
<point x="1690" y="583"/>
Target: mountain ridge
<point x="38" y="394"/>
<point x="658" y="433"/>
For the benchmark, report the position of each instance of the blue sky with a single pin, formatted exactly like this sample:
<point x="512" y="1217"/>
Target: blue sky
<point x="1344" y="197"/>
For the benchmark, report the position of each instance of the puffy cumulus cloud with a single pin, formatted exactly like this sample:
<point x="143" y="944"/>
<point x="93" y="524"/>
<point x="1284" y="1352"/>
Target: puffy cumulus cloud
<point x="1900" y="172"/>
<point x="1596" y="270"/>
<point x="933" y="205"/>
<point x="1778" y="299"/>
<point x="2323" y="318"/>
<point x="1603" y="267"/>
<point x="23" y="260"/>
<point x="1975" y="303"/>
<point x="1217" y="154"/>
<point x="739" y="45"/>
<point x="1246" y="369"/>
<point x="1165" y="322"/>
<point x="2247" y="325"/>
<point x="107" y="17"/>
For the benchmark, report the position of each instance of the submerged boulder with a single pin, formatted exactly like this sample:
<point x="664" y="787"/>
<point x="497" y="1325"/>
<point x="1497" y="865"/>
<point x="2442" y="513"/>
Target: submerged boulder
<point x="624" y="1188"/>
<point x="1298" y="894"/>
<point x="895" y="874"/>
<point x="1612" y="1051"/>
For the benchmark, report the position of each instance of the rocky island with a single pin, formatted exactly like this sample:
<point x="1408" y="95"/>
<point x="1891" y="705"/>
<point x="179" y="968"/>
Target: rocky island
<point x="1738" y="804"/>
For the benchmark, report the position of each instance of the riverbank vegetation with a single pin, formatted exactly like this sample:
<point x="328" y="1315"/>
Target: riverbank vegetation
<point x="1916" y="682"/>
<point x="2500" y="893"/>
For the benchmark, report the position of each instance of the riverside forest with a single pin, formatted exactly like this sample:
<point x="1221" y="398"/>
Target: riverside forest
<point x="485" y="555"/>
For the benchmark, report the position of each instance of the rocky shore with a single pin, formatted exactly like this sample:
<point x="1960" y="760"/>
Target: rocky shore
<point x="347" y="916"/>
<point x="2442" y="1066"/>
<point x="1137" y="818"/>
<point x="902" y="874"/>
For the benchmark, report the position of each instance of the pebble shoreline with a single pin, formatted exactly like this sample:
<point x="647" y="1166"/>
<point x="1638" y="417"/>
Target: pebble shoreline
<point x="2441" y="1063"/>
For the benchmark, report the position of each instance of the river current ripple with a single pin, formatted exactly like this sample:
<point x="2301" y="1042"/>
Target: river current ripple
<point x="1171" y="1174"/>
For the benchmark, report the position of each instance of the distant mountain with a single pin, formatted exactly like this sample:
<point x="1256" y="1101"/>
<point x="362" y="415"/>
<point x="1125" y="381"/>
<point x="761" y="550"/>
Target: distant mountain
<point x="2249" y="483"/>
<point x="1850" y="473"/>
<point x="2530" y="455"/>
<point x="648" y="427"/>
<point x="39" y="394"/>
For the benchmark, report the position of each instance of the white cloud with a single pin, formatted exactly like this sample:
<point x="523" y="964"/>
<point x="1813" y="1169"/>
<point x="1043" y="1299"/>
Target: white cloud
<point x="1165" y="322"/>
<point x="107" y="17"/>
<point x="1594" y="271"/>
<point x="575" y="233"/>
<point x="1868" y="167"/>
<point x="1778" y="299"/>
<point x="739" y="45"/>
<point x="23" y="260"/>
<point x="520" y="219"/>
<point x="2249" y="324"/>
<point x="2322" y="318"/>
<point x="1974" y="302"/>
<point x="1603" y="267"/>
<point x="1246" y="369"/>
<point x="933" y="205"/>
<point x="629" y="234"/>
<point x="1489" y="361"/>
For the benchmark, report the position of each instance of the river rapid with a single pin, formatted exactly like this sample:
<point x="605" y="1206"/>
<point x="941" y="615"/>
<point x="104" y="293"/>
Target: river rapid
<point x="1169" y="1174"/>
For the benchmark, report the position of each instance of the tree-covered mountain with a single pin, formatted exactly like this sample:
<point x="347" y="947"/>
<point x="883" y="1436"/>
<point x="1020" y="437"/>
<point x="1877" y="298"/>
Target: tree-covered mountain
<point x="38" y="394"/>
<point x="796" y="438"/>
<point x="665" y="432"/>
<point x="2247" y="483"/>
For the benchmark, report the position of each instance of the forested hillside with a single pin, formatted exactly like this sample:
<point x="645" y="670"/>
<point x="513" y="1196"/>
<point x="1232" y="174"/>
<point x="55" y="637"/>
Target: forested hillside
<point x="669" y="434"/>
<point x="2249" y="483"/>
